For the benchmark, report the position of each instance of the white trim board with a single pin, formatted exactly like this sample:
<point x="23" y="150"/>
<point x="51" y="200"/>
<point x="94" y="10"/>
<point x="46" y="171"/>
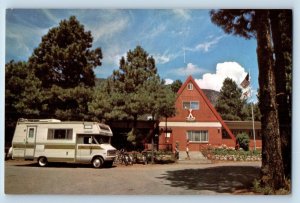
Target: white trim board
<point x="190" y="124"/>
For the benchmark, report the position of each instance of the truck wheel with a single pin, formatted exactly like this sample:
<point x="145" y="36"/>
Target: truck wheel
<point x="97" y="162"/>
<point x="42" y="161"/>
<point x="126" y="160"/>
<point x="145" y="162"/>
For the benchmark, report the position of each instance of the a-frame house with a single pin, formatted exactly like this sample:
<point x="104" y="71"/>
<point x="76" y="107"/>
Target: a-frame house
<point x="196" y="120"/>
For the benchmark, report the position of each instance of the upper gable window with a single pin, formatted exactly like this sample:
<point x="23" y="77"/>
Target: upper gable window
<point x="190" y="86"/>
<point x="190" y="105"/>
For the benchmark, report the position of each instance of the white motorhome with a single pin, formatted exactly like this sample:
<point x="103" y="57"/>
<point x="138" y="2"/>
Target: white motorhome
<point x="52" y="140"/>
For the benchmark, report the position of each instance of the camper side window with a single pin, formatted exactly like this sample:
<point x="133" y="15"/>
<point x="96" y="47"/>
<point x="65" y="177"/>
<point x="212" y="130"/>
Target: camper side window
<point x="60" y="134"/>
<point x="31" y="133"/>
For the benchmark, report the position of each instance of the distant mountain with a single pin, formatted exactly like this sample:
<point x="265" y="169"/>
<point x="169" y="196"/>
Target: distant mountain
<point x="212" y="95"/>
<point x="98" y="81"/>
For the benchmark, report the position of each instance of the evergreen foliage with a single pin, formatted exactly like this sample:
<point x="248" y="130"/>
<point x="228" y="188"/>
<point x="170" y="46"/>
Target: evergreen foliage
<point x="135" y="89"/>
<point x="64" y="57"/>
<point x="175" y="86"/>
<point x="229" y="103"/>
<point x="64" y="63"/>
<point x="243" y="140"/>
<point x="58" y="82"/>
<point x="24" y="97"/>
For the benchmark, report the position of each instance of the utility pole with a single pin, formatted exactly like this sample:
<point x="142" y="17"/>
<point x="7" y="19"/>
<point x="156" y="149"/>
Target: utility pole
<point x="253" y="128"/>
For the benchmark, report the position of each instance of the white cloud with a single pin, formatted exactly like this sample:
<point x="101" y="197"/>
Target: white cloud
<point x="215" y="81"/>
<point x="109" y="29"/>
<point x="168" y="81"/>
<point x="190" y="69"/>
<point x="182" y="13"/>
<point x="117" y="58"/>
<point x="51" y="16"/>
<point x="161" y="59"/>
<point x="156" y="31"/>
<point x="165" y="57"/>
<point x="206" y="46"/>
<point x="21" y="43"/>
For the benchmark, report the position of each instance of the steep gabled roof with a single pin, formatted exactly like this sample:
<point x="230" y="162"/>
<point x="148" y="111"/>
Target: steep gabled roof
<point x="190" y="79"/>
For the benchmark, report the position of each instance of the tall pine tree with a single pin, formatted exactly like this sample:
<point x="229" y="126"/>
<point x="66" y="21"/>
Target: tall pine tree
<point x="229" y="103"/>
<point x="64" y="63"/>
<point x="64" y="57"/>
<point x="272" y="160"/>
<point x="256" y="24"/>
<point x="24" y="97"/>
<point x="281" y="27"/>
<point x="135" y="89"/>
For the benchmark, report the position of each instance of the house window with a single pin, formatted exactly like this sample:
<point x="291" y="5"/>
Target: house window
<point x="198" y="136"/>
<point x="60" y="134"/>
<point x="190" y="105"/>
<point x="190" y="86"/>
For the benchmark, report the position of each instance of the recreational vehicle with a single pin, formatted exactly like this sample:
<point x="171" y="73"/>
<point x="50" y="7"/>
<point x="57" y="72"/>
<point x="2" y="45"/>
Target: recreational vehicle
<point x="52" y="140"/>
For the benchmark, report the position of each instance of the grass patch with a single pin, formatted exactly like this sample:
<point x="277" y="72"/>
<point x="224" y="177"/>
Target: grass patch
<point x="266" y="190"/>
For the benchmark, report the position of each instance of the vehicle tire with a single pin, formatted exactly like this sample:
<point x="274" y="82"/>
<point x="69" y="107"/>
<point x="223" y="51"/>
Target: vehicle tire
<point x="126" y="160"/>
<point x="42" y="161"/>
<point x="97" y="162"/>
<point x="145" y="162"/>
<point x="130" y="160"/>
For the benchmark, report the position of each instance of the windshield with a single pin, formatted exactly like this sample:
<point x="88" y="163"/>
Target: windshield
<point x="100" y="139"/>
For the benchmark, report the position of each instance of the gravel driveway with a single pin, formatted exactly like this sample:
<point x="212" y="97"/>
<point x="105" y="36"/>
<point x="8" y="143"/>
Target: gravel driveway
<point x="170" y="179"/>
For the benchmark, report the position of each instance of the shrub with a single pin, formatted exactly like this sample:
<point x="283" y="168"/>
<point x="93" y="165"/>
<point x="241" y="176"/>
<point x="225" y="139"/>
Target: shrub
<point x="243" y="140"/>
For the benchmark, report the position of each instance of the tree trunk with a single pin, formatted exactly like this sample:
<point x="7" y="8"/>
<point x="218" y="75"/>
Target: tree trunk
<point x="134" y="129"/>
<point x="272" y="165"/>
<point x="132" y="134"/>
<point x="281" y="90"/>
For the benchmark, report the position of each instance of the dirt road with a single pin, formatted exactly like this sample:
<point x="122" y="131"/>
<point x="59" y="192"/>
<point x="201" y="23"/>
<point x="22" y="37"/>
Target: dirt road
<point x="172" y="179"/>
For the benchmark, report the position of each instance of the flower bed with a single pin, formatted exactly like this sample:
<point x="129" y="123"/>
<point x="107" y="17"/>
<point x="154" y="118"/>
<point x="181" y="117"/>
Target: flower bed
<point x="161" y="157"/>
<point x="224" y="153"/>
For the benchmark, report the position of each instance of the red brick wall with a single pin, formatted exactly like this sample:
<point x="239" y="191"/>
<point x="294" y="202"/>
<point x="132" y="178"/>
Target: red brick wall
<point x="228" y="142"/>
<point x="258" y="143"/>
<point x="204" y="114"/>
<point x="179" y="134"/>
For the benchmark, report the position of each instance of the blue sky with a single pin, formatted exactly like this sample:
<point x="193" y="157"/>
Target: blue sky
<point x="183" y="42"/>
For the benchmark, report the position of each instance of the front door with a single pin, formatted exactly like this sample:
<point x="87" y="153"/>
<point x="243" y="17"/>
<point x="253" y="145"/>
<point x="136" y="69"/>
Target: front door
<point x="84" y="148"/>
<point x="30" y="142"/>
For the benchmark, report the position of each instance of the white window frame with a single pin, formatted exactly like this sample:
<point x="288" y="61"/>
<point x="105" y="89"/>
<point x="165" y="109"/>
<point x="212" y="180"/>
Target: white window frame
<point x="198" y="136"/>
<point x="190" y="105"/>
<point x="190" y="86"/>
<point x="52" y="134"/>
<point x="31" y="132"/>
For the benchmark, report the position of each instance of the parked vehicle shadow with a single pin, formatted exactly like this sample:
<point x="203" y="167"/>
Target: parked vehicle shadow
<point x="223" y="179"/>
<point x="62" y="165"/>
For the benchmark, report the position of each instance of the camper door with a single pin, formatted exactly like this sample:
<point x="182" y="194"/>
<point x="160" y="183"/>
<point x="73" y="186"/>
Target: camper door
<point x="30" y="142"/>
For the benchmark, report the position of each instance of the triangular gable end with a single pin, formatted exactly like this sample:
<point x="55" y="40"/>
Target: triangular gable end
<point x="216" y="114"/>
